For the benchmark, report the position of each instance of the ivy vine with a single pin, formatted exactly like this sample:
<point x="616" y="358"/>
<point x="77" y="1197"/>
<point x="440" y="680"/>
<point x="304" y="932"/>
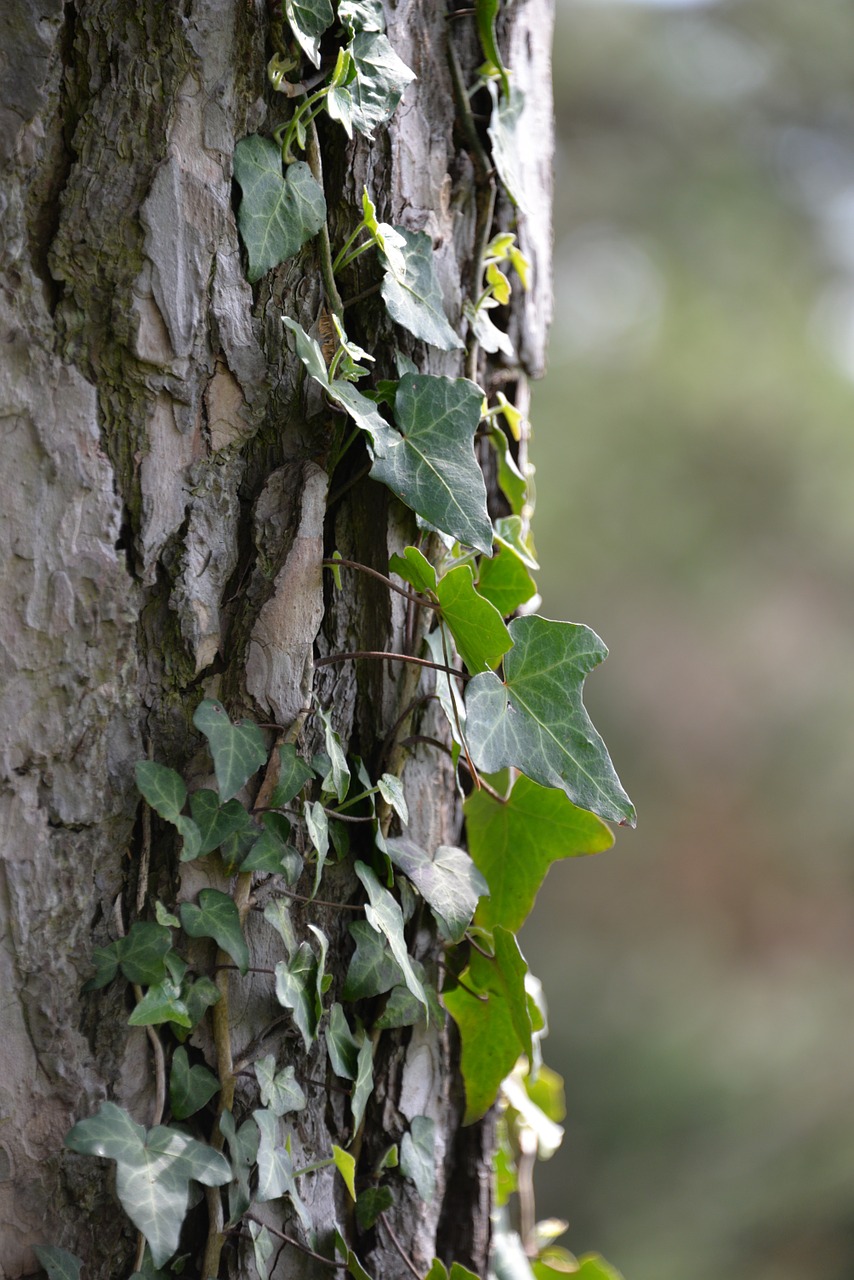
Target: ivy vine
<point x="540" y="780"/>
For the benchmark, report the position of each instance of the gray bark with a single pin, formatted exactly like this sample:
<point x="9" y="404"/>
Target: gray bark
<point x="164" y="513"/>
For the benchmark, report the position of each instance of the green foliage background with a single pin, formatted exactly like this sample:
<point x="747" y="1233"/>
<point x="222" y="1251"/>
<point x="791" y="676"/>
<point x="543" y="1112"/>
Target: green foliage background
<point x="695" y="470"/>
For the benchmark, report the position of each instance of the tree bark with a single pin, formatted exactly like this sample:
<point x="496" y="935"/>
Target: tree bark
<point x="166" y="507"/>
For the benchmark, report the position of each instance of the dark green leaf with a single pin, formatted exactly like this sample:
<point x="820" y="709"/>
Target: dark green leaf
<point x="511" y="482"/>
<point x="216" y="822"/>
<point x="309" y="19"/>
<point x="238" y="749"/>
<point x="279" y="212"/>
<point x="142" y="954"/>
<point x="505" y="582"/>
<point x="476" y="625"/>
<point x="492" y="1015"/>
<point x="364" y="1086"/>
<point x="58" y="1263"/>
<point x="403" y="1010"/>
<point x="280" y="1091"/>
<point x="414" y="567"/>
<point x="106" y="962"/>
<point x="371" y="1203"/>
<point x="199" y="996"/>
<point x="515" y="842"/>
<point x="294" y="773"/>
<point x="535" y="719"/>
<point x="342" y="1045"/>
<point x="296" y="989"/>
<point x="271" y="852"/>
<point x="373" y="969"/>
<point x="217" y="917"/>
<point x="384" y="915"/>
<point x="507" y="135"/>
<point x="418" y="1156"/>
<point x="163" y="788"/>
<point x="190" y="1088"/>
<point x="414" y="299"/>
<point x="161" y="1003"/>
<point x="448" y="880"/>
<point x="153" y="1172"/>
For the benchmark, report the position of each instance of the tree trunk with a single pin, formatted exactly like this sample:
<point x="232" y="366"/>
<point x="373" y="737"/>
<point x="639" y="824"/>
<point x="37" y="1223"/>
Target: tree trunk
<point x="166" y="507"/>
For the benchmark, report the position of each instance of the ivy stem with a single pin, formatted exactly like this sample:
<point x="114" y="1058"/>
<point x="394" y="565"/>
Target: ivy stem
<point x="381" y="577"/>
<point x="392" y="657"/>
<point x="312" y="155"/>
<point x="399" y="1247"/>
<point x="346" y="245"/>
<point x="321" y="902"/>
<point x="296" y="1244"/>
<point x="351" y="257"/>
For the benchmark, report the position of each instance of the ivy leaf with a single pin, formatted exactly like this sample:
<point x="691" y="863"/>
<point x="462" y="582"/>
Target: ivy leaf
<point x="199" y="996"/>
<point x="216" y="822"/>
<point x="377" y="86"/>
<point x="535" y="719"/>
<point x="340" y="769"/>
<point x="279" y="212"/>
<point x="142" y="954"/>
<point x="371" y="1203"/>
<point x="217" y="917"/>
<point x="296" y="989"/>
<point x="414" y="299"/>
<point x="161" y="1003"/>
<point x="511" y="482"/>
<point x="346" y="1166"/>
<point x="486" y="12"/>
<point x="494" y="1023"/>
<point x="294" y="773"/>
<point x="403" y="1010"/>
<point x="418" y="1156"/>
<point x="354" y="1266"/>
<point x="384" y="915"/>
<point x="414" y="567"/>
<point x="309" y="19"/>
<point x="317" y="825"/>
<point x="507" y="136"/>
<point x="438" y="1271"/>
<point x="514" y="843"/>
<point x="487" y="334"/>
<point x="594" y="1267"/>
<point x="510" y="533"/>
<point x="271" y="852"/>
<point x="238" y="749"/>
<point x="360" y="408"/>
<point x="448" y="880"/>
<point x="262" y="1246"/>
<point x="431" y="465"/>
<point x="275" y="1167"/>
<point x="163" y="788"/>
<point x="342" y="1045"/>
<point x="280" y="1091"/>
<point x="276" y="913"/>
<point x="361" y="15"/>
<point x="505" y="582"/>
<point x="476" y="625"/>
<point x="243" y="1149"/>
<point x="373" y="970"/>
<point x="153" y="1171"/>
<point x="190" y="1088"/>
<point x="391" y="790"/>
<point x="58" y="1263"/>
<point x="364" y="1086"/>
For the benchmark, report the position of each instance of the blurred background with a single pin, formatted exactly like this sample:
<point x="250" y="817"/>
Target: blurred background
<point x="694" y="443"/>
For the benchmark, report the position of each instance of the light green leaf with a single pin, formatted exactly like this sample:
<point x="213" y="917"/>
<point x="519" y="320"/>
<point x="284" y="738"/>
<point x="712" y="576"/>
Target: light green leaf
<point x="346" y="1166"/>
<point x="216" y="822"/>
<point x="163" y="916"/>
<point x="161" y="1003"/>
<point x="340" y="769"/>
<point x="414" y="568"/>
<point x="163" y="788"/>
<point x="371" y="1203"/>
<point x="153" y="1172"/>
<point x="388" y="239"/>
<point x="190" y="1088"/>
<point x="476" y="625"/>
<point x="511" y="482"/>
<point x="142" y="954"/>
<point x="373" y="970"/>
<point x="391" y="790"/>
<point x="494" y="1023"/>
<point x="515" y="842"/>
<point x="280" y="1091"/>
<point x="354" y="1266"/>
<point x="486" y="12"/>
<point x="275" y="1167"/>
<point x="58" y="1263"/>
<point x="342" y="1045"/>
<point x="364" y="1086"/>
<point x="508" y="142"/>
<point x="418" y="1156"/>
<point x="448" y="880"/>
<point x="431" y="465"/>
<point x="505" y="582"/>
<point x="294" y="773"/>
<point x="243" y="1150"/>
<point x="459" y="1272"/>
<point x="388" y="1160"/>
<point x="438" y="1270"/>
<point x="378" y="85"/>
<point x="238" y="749"/>
<point x="361" y="15"/>
<point x="384" y="915"/>
<point x="593" y="1267"/>
<point x="535" y="719"/>
<point x="414" y="299"/>
<point x="309" y="19"/>
<point x="217" y="917"/>
<point x="510" y="534"/>
<point x="487" y="334"/>
<point x="279" y="212"/>
<point x="296" y="989"/>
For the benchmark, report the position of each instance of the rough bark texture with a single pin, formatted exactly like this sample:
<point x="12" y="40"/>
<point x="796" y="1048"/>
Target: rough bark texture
<point x="165" y="509"/>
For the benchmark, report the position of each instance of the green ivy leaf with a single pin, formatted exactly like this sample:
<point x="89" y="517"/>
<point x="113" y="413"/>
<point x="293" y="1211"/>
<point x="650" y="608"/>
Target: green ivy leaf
<point x="505" y="582"/>
<point x="478" y="629"/>
<point x="494" y="1023"/>
<point x="373" y="969"/>
<point x="163" y="788"/>
<point x="384" y="915"/>
<point x="280" y="1091"/>
<point x="153" y="1171"/>
<point x="275" y="1167"/>
<point x="391" y="790"/>
<point x="279" y="212"/>
<point x="487" y="334"/>
<point x="361" y="15"/>
<point x="591" y="1266"/>
<point x="243" y="1150"/>
<point x="58" y="1263"/>
<point x="403" y="1010"/>
<point x="438" y="1271"/>
<point x="161" y="1003"/>
<point x="296" y="989"/>
<point x="346" y="1166"/>
<point x="216" y="822"/>
<point x="308" y="20"/>
<point x="510" y="534"/>
<point x="199" y="996"/>
<point x="371" y="1203"/>
<point x="486" y="12"/>
<point x="294" y="773"/>
<point x="106" y="962"/>
<point x="237" y="749"/>
<point x="342" y="1044"/>
<point x="360" y="408"/>
<point x="414" y="567"/>
<point x="276" y="913"/>
<point x="418" y="1156"/>
<point x="511" y="482"/>
<point x="379" y="77"/>
<point x="507" y="136"/>
<point x="354" y="1266"/>
<point x="142" y="954"/>
<point x="449" y="881"/>
<point x="431" y="465"/>
<point x="190" y="1088"/>
<point x="414" y="299"/>
<point x="364" y="1085"/>
<point x="317" y="825"/>
<point x="535" y="719"/>
<point x="514" y="843"/>
<point x="271" y="852"/>
<point x="340" y="770"/>
<point x="217" y="917"/>
<point x="262" y="1246"/>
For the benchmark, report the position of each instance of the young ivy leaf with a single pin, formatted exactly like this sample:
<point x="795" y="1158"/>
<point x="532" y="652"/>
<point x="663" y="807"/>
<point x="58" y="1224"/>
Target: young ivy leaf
<point x="340" y="769"/>
<point x="511" y="536"/>
<point x="418" y="1156"/>
<point x="514" y="843"/>
<point x="161" y="1003"/>
<point x="216" y="917"/>
<point x="308" y="20"/>
<point x="505" y="582"/>
<point x="534" y="719"/>
<point x="413" y="297"/>
<point x="346" y="1166"/>
<point x="190" y="1088"/>
<point x="262" y="1246"/>
<point x="486" y="12"/>
<point x="478" y="628"/>
<point x="449" y="881"/>
<point x="238" y="749"/>
<point x="58" y="1263"/>
<point x="153" y="1172"/>
<point x="414" y="567"/>
<point x="368" y="95"/>
<point x="488" y="335"/>
<point x="391" y="790"/>
<point x="279" y="212"/>
<point x="243" y="1150"/>
<point x="317" y="825"/>
<point x="511" y="482"/>
<point x="384" y="915"/>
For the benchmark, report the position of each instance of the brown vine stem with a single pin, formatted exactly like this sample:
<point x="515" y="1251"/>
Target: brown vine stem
<point x="303" y="1248"/>
<point x="399" y="1247"/>
<point x="321" y="902"/>
<point x="381" y="577"/>
<point x="392" y="657"/>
